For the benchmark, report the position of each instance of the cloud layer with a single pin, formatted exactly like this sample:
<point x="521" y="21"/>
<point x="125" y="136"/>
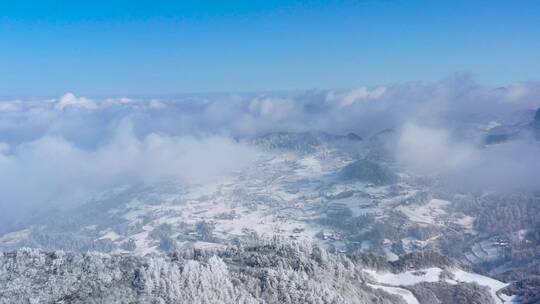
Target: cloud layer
<point x="58" y="150"/>
<point x="54" y="172"/>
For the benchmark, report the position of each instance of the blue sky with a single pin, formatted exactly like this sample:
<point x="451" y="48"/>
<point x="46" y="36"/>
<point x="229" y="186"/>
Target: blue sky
<point x="167" y="47"/>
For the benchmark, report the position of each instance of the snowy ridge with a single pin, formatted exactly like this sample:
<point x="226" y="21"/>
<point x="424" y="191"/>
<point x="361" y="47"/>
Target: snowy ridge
<point x="267" y="271"/>
<point x="434" y="274"/>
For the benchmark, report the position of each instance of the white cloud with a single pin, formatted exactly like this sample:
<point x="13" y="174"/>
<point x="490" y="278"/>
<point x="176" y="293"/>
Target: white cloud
<point x="510" y="166"/>
<point x="4" y="147"/>
<point x="356" y="95"/>
<point x="271" y="108"/>
<point x="431" y="151"/>
<point x="52" y="170"/>
<point x="157" y="104"/>
<point x="51" y="152"/>
<point x="525" y="94"/>
<point x="70" y="100"/>
<point x="9" y="106"/>
<point x="120" y="101"/>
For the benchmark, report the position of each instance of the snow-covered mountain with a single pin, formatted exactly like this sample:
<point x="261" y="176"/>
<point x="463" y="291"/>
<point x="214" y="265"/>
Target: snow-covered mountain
<point x="340" y="193"/>
<point x="262" y="272"/>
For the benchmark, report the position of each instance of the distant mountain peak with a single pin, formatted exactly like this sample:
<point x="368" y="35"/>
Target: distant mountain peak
<point x="354" y="137"/>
